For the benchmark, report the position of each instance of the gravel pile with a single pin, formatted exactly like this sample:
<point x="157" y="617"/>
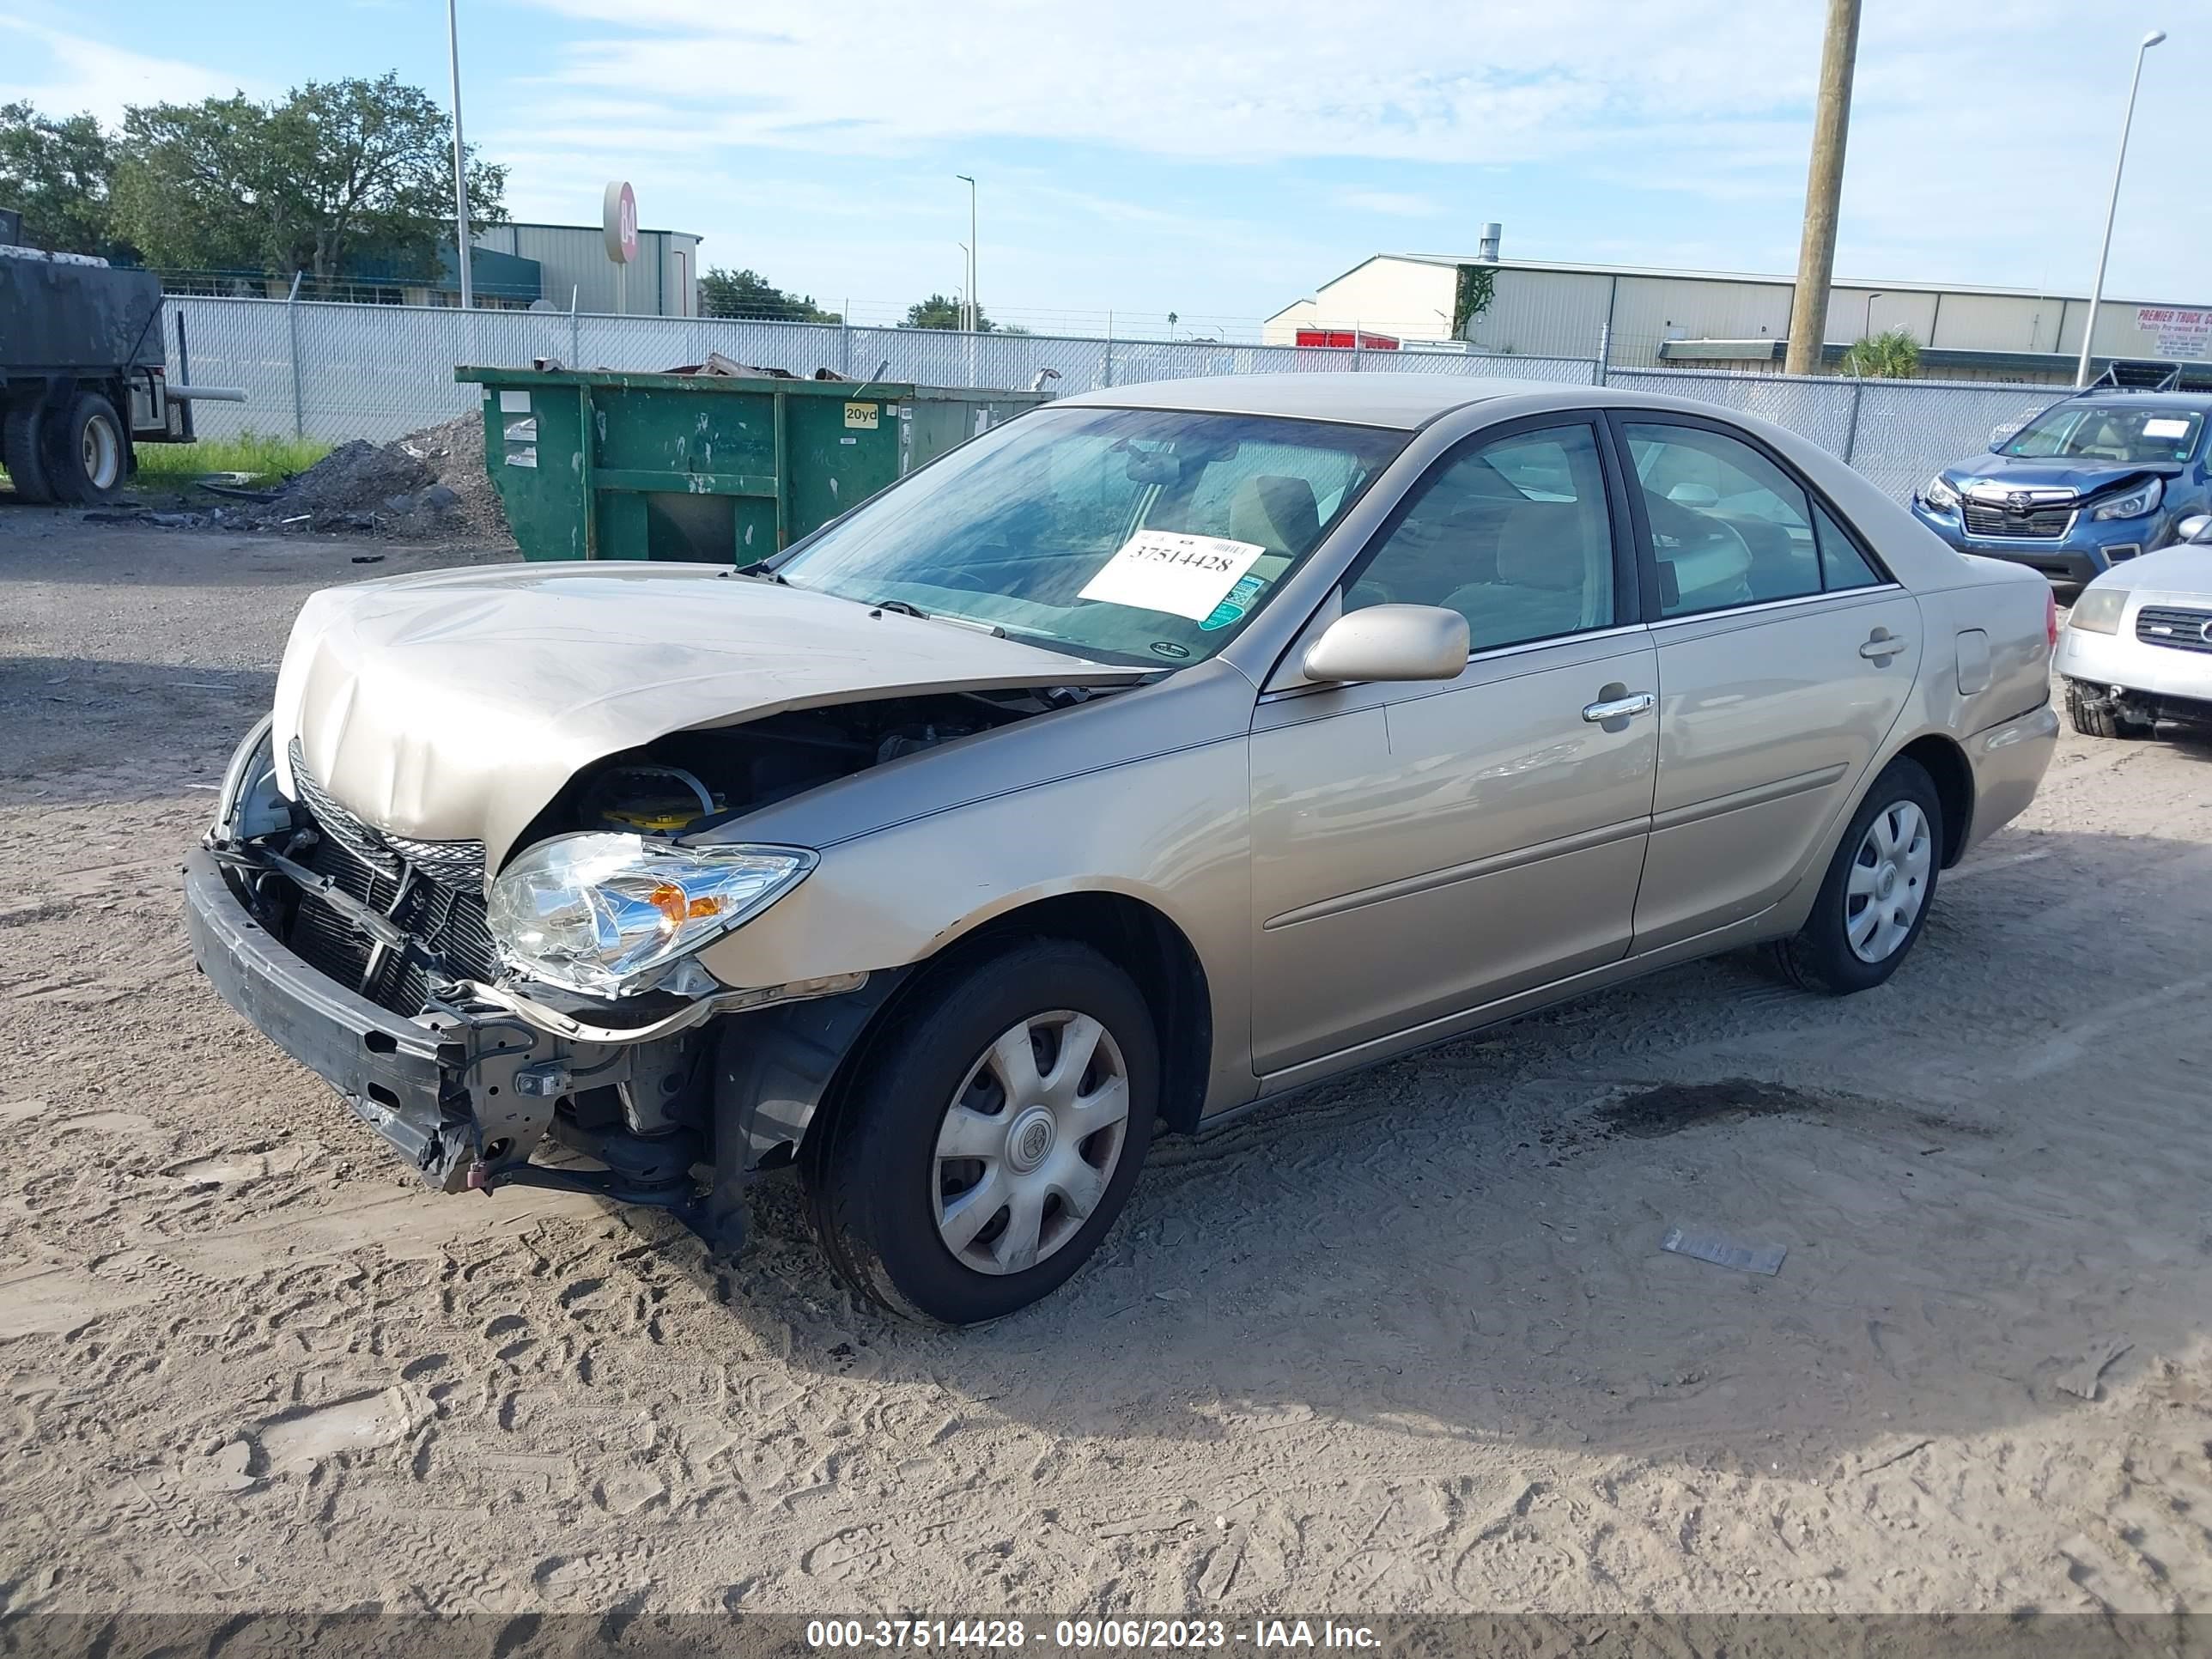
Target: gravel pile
<point x="430" y="485"/>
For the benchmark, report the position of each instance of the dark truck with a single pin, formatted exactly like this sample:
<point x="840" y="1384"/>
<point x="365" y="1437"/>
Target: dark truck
<point x="82" y="374"/>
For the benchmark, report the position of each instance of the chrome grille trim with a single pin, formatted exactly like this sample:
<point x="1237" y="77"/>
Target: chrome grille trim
<point x="2178" y="627"/>
<point x="1995" y="523"/>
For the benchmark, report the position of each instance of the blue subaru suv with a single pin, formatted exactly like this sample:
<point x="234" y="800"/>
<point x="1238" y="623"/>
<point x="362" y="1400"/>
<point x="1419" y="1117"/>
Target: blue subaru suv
<point x="2099" y="478"/>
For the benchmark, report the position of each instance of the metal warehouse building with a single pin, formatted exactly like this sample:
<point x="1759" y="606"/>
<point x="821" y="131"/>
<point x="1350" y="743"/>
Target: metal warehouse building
<point x="1643" y="317"/>
<point x="573" y="265"/>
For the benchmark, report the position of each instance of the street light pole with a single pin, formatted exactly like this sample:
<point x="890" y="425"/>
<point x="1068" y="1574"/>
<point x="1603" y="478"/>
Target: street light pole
<point x="460" y="160"/>
<point x="2112" y="208"/>
<point x="975" y="308"/>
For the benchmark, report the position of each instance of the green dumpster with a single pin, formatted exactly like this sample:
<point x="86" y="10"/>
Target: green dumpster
<point x="592" y="464"/>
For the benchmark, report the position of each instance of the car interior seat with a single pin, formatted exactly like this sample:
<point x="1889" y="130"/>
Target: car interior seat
<point x="1543" y="583"/>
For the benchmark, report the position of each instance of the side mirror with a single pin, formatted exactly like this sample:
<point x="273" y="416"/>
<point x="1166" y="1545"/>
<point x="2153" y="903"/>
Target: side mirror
<point x="1391" y="643"/>
<point x="1694" y="494"/>
<point x="2193" y="527"/>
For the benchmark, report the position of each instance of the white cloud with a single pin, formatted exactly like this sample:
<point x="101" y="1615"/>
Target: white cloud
<point x="1392" y="203"/>
<point x="82" y="74"/>
<point x="1981" y="132"/>
<point x="1240" y="80"/>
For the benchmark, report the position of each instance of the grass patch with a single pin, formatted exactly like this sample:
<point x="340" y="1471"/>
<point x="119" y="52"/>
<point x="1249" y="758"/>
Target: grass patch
<point x="268" y="459"/>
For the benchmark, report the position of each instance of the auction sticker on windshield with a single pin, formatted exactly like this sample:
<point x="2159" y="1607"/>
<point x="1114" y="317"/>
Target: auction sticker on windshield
<point x="1163" y="570"/>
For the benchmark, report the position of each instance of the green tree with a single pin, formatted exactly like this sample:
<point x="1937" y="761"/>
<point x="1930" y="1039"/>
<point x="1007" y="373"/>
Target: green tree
<point x="749" y="293"/>
<point x="1892" y="354"/>
<point x="332" y="170"/>
<point x="58" y="173"/>
<point x="938" y="312"/>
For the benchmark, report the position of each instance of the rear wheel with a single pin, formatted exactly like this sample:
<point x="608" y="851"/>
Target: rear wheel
<point x="2096" y="713"/>
<point x="21" y="452"/>
<point x="1873" y="901"/>
<point x="992" y="1138"/>
<point x="87" y="459"/>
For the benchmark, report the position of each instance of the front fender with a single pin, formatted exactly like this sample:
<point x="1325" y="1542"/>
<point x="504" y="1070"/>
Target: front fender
<point x="1170" y="830"/>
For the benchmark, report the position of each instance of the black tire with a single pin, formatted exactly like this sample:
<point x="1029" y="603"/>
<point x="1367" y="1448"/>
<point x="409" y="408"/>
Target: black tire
<point x="1820" y="957"/>
<point x="2094" y="714"/>
<point x="87" y="453"/>
<point x="873" y="1180"/>
<point x="21" y="453"/>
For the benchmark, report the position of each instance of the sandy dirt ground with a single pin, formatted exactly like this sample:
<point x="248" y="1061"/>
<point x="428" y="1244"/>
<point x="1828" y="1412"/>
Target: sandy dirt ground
<point x="1408" y="1343"/>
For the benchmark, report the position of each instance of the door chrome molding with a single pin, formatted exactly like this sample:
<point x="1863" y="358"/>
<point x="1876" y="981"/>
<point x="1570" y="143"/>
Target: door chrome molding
<point x="1713" y="807"/>
<point x="1452" y="875"/>
<point x="1841" y="598"/>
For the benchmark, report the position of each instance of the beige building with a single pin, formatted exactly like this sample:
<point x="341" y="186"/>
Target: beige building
<point x="1644" y="317"/>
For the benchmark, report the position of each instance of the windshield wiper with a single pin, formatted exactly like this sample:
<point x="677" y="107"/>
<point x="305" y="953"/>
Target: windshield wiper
<point x="906" y="609"/>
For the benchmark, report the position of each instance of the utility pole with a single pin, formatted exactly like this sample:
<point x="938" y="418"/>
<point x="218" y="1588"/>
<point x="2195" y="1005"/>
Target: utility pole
<point x="460" y="158"/>
<point x="1824" y="190"/>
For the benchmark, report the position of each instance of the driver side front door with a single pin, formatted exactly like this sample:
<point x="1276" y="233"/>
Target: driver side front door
<point x="1419" y="850"/>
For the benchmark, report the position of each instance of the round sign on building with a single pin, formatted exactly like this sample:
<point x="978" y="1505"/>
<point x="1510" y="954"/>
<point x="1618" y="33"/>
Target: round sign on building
<point x="619" y="220"/>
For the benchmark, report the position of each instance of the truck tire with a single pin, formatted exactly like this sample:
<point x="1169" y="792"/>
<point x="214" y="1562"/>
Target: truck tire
<point x="87" y="458"/>
<point x="21" y="453"/>
<point x="2094" y="714"/>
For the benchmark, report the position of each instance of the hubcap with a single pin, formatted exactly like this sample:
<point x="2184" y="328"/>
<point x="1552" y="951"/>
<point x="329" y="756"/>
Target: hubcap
<point x="1030" y="1142"/>
<point x="1888" y="881"/>
<point x="103" y="453"/>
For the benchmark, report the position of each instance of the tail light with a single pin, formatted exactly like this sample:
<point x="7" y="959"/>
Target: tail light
<point x="2051" y="619"/>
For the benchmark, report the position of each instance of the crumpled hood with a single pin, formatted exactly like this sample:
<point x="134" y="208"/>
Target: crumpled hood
<point x="454" y="705"/>
<point x="2001" y="473"/>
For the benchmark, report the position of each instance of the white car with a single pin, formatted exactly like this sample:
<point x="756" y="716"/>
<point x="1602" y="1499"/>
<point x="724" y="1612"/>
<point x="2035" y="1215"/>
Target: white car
<point x="2137" y="648"/>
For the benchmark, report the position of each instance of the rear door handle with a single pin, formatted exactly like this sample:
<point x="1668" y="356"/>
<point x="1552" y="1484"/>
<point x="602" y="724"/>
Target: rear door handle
<point x="1620" y="708"/>
<point x="1883" y="647"/>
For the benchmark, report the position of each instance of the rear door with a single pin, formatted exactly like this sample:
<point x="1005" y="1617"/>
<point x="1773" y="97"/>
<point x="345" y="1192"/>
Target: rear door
<point x="1785" y="655"/>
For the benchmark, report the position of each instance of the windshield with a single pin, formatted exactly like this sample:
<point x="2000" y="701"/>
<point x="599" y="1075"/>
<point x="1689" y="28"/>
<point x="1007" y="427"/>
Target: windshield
<point x="2134" y="434"/>
<point x="1126" y="535"/>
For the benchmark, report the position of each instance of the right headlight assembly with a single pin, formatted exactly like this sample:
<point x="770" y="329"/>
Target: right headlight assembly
<point x="1938" y="495"/>
<point x="609" y="914"/>
<point x="2098" y="611"/>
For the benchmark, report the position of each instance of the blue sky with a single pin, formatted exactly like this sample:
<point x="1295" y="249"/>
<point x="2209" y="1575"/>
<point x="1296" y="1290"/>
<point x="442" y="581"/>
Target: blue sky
<point x="1220" y="160"/>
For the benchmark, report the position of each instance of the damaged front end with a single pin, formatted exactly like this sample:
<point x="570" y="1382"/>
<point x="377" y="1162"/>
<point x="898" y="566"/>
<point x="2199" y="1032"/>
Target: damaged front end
<point x="370" y="958"/>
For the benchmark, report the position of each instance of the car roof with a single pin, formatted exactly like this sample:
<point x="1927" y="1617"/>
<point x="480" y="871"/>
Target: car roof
<point x="2121" y="397"/>
<point x="1365" y="398"/>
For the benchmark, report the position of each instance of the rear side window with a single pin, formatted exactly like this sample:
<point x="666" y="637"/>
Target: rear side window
<point x="1842" y="564"/>
<point x="1729" y="527"/>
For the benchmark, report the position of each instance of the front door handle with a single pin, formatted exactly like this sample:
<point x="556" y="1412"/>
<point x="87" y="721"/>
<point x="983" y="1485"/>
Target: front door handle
<point x="1883" y="647"/>
<point x="1620" y="708"/>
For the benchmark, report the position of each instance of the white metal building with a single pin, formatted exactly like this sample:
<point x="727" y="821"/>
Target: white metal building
<point x="1645" y="316"/>
<point x="663" y="280"/>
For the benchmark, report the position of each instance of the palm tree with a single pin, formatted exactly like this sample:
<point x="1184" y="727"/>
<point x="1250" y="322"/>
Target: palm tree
<point x="1892" y="354"/>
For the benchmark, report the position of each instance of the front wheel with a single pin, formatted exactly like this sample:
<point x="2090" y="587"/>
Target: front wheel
<point x="1873" y="901"/>
<point x="2094" y="714"/>
<point x="991" y="1137"/>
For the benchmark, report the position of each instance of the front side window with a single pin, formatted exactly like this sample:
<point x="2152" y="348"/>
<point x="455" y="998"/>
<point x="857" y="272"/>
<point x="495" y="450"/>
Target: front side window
<point x="1513" y="534"/>
<point x="2134" y="434"/>
<point x="1728" y="526"/>
<point x="1123" y="535"/>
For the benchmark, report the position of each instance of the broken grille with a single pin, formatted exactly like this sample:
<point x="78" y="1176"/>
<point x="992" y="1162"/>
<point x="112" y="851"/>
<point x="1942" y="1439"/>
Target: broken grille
<point x="432" y="891"/>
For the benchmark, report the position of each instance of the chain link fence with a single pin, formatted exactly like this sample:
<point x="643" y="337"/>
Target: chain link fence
<point x="334" y="371"/>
